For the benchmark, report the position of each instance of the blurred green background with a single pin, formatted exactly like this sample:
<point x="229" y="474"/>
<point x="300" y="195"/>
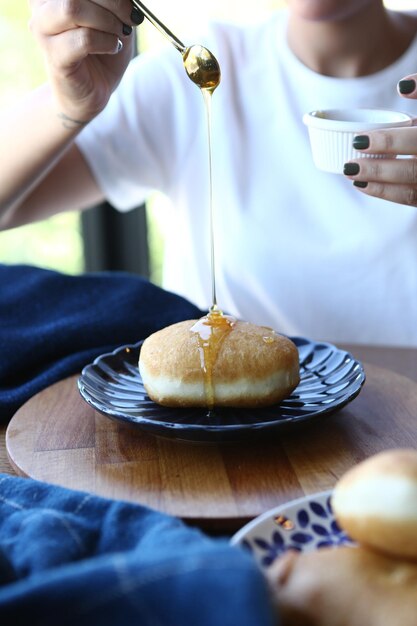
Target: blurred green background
<point x="54" y="243"/>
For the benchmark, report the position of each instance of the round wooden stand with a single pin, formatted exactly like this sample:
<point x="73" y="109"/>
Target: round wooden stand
<point x="58" y="438"/>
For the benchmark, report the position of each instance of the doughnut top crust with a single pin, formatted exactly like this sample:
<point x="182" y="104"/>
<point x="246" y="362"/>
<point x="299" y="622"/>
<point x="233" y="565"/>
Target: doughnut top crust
<point x="229" y="362"/>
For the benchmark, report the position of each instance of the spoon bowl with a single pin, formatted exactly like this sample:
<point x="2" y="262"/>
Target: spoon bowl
<point x="202" y="67"/>
<point x="200" y="64"/>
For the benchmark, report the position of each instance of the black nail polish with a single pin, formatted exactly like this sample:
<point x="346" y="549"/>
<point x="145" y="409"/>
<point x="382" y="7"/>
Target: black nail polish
<point x="406" y="86"/>
<point x="350" y="169"/>
<point x="361" y="142"/>
<point x="360" y="183"/>
<point x="137" y="16"/>
<point x="127" y="30"/>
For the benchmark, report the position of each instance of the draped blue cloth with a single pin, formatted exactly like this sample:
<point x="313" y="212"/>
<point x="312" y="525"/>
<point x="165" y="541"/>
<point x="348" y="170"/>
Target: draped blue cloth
<point x="69" y="558"/>
<point x="52" y="324"/>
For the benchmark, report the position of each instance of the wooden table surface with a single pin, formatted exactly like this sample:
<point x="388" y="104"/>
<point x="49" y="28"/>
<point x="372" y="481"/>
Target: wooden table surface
<point x="237" y="483"/>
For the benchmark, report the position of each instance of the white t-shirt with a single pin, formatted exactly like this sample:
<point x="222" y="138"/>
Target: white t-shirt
<point x="297" y="249"/>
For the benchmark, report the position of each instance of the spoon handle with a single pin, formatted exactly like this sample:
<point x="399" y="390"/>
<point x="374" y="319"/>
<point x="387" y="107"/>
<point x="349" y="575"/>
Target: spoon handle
<point x="160" y="26"/>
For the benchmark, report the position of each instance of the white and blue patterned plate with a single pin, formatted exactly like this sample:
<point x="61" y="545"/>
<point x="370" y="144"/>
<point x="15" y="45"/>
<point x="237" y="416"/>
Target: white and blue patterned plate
<point x="304" y="525"/>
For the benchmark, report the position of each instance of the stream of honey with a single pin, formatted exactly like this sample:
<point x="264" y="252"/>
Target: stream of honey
<point x="208" y="95"/>
<point x="212" y="329"/>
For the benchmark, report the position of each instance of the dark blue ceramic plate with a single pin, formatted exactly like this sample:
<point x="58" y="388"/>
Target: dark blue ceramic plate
<point x="304" y="525"/>
<point x="330" y="378"/>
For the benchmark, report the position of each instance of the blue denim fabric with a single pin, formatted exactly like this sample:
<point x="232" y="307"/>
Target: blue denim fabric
<point x="51" y="324"/>
<point x="71" y="558"/>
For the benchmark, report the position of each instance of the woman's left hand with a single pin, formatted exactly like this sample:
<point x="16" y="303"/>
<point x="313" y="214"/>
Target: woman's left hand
<point x="393" y="179"/>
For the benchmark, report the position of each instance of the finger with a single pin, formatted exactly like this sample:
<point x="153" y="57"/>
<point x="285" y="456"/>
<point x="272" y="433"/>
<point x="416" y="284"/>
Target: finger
<point x="128" y="12"/>
<point x="407" y="86"/>
<point x="50" y="19"/>
<point x="123" y="9"/>
<point x="393" y="141"/>
<point x="36" y="3"/>
<point x="282" y="567"/>
<point x="401" y="194"/>
<point x="396" y="171"/>
<point x="137" y="16"/>
<point x="76" y="44"/>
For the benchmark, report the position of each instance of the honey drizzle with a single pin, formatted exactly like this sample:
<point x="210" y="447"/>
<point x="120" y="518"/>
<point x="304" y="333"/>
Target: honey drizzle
<point x="207" y="95"/>
<point x="203" y="69"/>
<point x="211" y="331"/>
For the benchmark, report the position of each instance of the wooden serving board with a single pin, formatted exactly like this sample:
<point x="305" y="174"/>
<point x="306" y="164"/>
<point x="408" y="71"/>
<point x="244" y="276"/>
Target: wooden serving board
<point x="57" y="437"/>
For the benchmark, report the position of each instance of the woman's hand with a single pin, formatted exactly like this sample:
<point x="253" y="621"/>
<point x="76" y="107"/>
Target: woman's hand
<point x="393" y="179"/>
<point x="87" y="46"/>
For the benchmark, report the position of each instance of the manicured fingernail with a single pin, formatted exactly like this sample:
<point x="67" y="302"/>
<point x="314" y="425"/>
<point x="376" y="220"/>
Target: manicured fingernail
<point x="137" y="16"/>
<point x="361" y="142"/>
<point x="350" y="169"/>
<point x="127" y="30"/>
<point x="406" y="86"/>
<point x="360" y="183"/>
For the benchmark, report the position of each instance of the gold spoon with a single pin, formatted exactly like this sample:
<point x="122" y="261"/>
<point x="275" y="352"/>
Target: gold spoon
<point x="200" y="64"/>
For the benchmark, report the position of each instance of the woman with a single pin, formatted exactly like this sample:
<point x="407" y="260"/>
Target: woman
<point x="296" y="249"/>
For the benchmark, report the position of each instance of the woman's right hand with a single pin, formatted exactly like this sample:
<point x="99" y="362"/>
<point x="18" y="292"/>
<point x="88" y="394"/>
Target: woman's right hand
<point x="84" y="58"/>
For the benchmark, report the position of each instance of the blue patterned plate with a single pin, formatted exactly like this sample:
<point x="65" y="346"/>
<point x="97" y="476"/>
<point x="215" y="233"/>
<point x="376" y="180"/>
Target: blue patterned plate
<point x="330" y="378"/>
<point x="304" y="525"/>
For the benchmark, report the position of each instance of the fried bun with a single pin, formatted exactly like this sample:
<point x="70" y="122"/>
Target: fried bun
<point x="200" y="363"/>
<point x="376" y="503"/>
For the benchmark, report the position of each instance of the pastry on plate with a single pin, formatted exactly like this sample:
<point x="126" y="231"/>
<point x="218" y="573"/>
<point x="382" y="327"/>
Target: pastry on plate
<point x="218" y="361"/>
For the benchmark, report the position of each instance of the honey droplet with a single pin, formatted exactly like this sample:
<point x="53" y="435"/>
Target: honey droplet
<point x="284" y="522"/>
<point x="270" y="335"/>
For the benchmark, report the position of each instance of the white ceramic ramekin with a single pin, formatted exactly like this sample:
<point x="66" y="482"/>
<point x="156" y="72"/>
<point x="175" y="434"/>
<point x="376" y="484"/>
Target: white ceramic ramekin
<point x="332" y="131"/>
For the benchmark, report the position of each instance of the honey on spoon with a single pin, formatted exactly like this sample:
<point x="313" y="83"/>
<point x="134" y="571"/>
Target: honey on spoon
<point x="200" y="64"/>
<point x="202" y="67"/>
